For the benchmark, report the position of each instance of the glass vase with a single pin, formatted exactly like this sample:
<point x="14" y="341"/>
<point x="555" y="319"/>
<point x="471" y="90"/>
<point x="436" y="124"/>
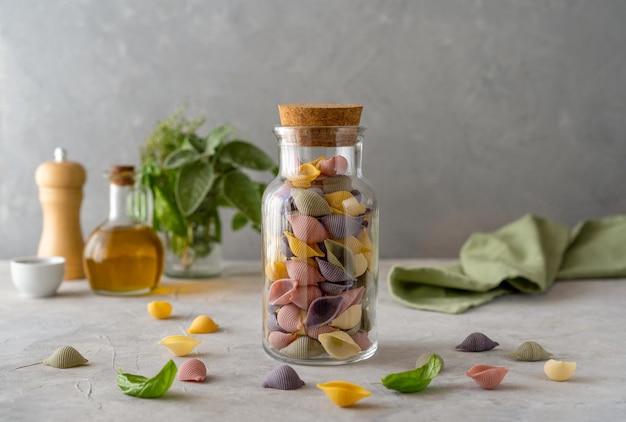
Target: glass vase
<point x="196" y="255"/>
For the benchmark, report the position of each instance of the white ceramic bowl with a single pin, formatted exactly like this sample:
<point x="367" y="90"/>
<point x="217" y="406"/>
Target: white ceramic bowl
<point x="37" y="277"/>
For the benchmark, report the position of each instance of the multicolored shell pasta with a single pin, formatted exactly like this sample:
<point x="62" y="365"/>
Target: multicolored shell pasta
<point x="65" y="357"/>
<point x="283" y="377"/>
<point x="477" y="342"/>
<point x="559" y="371"/>
<point x="531" y="351"/>
<point x="487" y="376"/>
<point x="192" y="370"/>
<point x="321" y="310"/>
<point x="202" y="324"/>
<point x="343" y="393"/>
<point x="180" y="345"/>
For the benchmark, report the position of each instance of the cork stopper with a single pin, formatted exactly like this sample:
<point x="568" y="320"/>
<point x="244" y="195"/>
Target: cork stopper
<point x="320" y="114"/>
<point x="320" y="124"/>
<point x="122" y="175"/>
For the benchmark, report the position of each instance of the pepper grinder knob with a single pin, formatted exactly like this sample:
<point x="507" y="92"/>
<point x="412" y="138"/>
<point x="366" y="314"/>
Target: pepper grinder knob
<point x="60" y="185"/>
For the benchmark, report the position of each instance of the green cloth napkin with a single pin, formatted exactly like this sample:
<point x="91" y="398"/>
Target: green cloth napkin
<point x="525" y="256"/>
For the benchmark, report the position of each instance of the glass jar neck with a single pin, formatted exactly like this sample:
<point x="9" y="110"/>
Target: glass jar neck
<point x="119" y="196"/>
<point x="335" y="149"/>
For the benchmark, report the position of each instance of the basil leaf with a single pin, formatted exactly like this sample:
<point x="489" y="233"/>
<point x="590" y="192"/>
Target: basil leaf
<point x="239" y="221"/>
<point x="193" y="182"/>
<point x="146" y="388"/>
<point x="167" y="216"/>
<point x="246" y="155"/>
<point x="415" y="380"/>
<point x="243" y="194"/>
<point x="179" y="158"/>
<point x="216" y="137"/>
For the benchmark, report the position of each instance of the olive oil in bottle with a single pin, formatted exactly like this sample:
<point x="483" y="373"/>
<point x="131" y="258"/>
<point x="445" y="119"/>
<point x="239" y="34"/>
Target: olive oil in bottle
<point x="123" y="255"/>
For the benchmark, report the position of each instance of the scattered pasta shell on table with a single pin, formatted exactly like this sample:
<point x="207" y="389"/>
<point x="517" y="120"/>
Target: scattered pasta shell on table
<point x="65" y="357"/>
<point x="343" y="393"/>
<point x="477" y="342"/>
<point x="559" y="371"/>
<point x="487" y="376"/>
<point x="531" y="351"/>
<point x="179" y="345"/>
<point x="192" y="370"/>
<point x="203" y="324"/>
<point x="283" y="377"/>
<point x="160" y="309"/>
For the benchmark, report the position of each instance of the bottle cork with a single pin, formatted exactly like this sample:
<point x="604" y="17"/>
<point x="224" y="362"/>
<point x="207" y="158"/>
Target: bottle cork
<point x="60" y="185"/>
<point x="321" y="124"/>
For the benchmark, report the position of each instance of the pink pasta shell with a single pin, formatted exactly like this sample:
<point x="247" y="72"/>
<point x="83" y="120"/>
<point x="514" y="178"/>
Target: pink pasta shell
<point x="307" y="228"/>
<point x="314" y="332"/>
<point x="351" y="297"/>
<point x="280" y="291"/>
<point x="487" y="376"/>
<point x="289" y="318"/>
<point x="303" y="272"/>
<point x="192" y="370"/>
<point x="333" y="166"/>
<point x="278" y="340"/>
<point x="362" y="340"/>
<point x="303" y="296"/>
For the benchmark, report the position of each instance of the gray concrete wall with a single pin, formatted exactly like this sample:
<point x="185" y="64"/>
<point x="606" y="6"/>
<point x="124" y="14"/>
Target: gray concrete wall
<point x="478" y="111"/>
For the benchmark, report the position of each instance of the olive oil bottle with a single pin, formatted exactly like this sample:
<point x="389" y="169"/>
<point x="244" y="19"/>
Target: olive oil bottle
<point x="123" y="256"/>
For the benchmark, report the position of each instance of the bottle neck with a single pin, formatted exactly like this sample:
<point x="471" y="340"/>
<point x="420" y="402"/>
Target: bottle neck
<point x="118" y="205"/>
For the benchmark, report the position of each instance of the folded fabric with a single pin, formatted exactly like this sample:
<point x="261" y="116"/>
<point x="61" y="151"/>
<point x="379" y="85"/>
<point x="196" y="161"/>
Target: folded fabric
<point x="525" y="256"/>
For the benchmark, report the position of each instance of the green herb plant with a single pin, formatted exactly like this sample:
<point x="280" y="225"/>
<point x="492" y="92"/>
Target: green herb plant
<point x="147" y="388"/>
<point x="192" y="176"/>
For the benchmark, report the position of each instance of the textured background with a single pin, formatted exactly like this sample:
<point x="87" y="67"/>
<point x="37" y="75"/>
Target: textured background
<point x="478" y="111"/>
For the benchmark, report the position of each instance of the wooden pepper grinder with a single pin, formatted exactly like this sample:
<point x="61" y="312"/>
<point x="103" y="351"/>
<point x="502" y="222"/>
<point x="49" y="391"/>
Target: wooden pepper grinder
<point x="60" y="185"/>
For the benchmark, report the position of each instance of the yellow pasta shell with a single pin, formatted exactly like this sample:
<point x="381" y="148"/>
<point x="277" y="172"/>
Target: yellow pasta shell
<point x="160" y="309"/>
<point x="558" y="370"/>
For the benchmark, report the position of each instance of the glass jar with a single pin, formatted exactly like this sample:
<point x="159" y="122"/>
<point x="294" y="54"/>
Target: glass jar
<point x="123" y="256"/>
<point x="320" y="250"/>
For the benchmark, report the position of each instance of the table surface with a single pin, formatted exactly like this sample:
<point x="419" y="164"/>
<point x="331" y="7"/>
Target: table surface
<point x="581" y="321"/>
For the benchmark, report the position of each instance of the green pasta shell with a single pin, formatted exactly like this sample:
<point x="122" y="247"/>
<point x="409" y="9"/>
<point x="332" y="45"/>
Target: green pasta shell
<point x="65" y="357"/>
<point x="531" y="351"/>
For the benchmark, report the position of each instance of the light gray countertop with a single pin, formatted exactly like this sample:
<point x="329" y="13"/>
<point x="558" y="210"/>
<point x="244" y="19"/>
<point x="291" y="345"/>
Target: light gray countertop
<point x="582" y="321"/>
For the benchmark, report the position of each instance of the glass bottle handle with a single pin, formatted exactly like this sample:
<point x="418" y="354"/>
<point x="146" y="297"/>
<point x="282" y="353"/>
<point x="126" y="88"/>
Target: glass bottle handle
<point x="140" y="204"/>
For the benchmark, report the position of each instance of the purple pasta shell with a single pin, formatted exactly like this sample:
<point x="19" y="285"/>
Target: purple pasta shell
<point x="342" y="226"/>
<point x="284" y="247"/>
<point x="332" y="272"/>
<point x="477" y="342"/>
<point x="334" y="289"/>
<point x="271" y="323"/>
<point x="323" y="310"/>
<point x="283" y="377"/>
